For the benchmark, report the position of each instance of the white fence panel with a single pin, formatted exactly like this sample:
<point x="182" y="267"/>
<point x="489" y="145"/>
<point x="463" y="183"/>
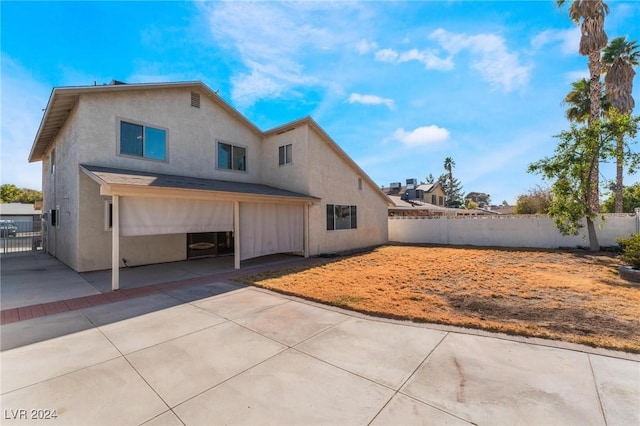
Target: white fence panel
<point x="505" y="231"/>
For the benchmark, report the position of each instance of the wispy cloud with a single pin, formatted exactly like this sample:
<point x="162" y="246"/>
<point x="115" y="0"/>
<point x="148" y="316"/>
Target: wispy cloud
<point x="428" y="57"/>
<point x="356" y="98"/>
<point x="569" y="40"/>
<point x="422" y="136"/>
<point x="489" y="56"/>
<point x="278" y="43"/>
<point x="572" y="76"/>
<point x="366" y="46"/>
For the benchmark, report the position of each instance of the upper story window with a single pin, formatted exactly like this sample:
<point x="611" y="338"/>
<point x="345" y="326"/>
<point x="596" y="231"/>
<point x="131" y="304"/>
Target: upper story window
<point x="360" y="184"/>
<point x="143" y="141"/>
<point x="285" y="154"/>
<point x="232" y="157"/>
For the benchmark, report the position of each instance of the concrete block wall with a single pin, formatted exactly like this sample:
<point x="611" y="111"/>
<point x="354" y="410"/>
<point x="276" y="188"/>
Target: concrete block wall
<point x="506" y="231"/>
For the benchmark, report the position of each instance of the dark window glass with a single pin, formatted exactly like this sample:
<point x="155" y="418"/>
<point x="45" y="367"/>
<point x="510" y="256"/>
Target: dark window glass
<point x="281" y="155"/>
<point x="330" y="218"/>
<point x="131" y="139"/>
<point x="354" y="217"/>
<point x="224" y="156"/>
<point x="154" y="143"/>
<point x="239" y="158"/>
<point x="54" y="217"/>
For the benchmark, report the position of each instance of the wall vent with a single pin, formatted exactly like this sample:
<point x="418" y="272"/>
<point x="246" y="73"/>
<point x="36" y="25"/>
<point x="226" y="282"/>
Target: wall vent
<point x="195" y="99"/>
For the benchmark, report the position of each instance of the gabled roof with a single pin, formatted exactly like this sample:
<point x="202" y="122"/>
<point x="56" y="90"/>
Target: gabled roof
<point x="63" y="99"/>
<point x="333" y="145"/>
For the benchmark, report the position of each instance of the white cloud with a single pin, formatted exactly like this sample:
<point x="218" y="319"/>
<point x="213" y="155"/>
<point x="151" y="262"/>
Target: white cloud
<point x="572" y="76"/>
<point x="422" y="136"/>
<point x="569" y="40"/>
<point x="365" y="46"/>
<point x="371" y="100"/>
<point x="278" y="43"/>
<point x="490" y="56"/>
<point x="428" y="57"/>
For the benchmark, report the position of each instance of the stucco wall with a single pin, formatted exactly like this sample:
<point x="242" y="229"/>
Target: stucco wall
<point x="505" y="231"/>
<point x="292" y="177"/>
<point x="60" y="191"/>
<point x="192" y="133"/>
<point x="333" y="180"/>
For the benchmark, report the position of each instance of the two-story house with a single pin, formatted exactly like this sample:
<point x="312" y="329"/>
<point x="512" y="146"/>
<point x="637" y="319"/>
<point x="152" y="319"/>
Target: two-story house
<point x="155" y="173"/>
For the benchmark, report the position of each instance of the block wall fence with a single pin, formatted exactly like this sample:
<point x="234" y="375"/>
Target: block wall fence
<point x="531" y="231"/>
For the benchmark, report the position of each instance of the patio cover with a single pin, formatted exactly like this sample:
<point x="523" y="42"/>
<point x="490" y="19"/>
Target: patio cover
<point x="264" y="219"/>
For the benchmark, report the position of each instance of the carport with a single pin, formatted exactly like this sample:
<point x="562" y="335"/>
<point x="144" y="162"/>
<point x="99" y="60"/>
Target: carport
<point x="264" y="219"/>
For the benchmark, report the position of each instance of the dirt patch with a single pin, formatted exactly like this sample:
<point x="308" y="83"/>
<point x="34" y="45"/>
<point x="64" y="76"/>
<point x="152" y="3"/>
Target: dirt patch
<point x="571" y="296"/>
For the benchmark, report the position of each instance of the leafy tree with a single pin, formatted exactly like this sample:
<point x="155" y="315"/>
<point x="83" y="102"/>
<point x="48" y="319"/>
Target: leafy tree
<point x="590" y="14"/>
<point x="536" y="201"/>
<point x="630" y="200"/>
<point x="9" y="193"/>
<point x="480" y="198"/>
<point x="619" y="58"/>
<point x="571" y="168"/>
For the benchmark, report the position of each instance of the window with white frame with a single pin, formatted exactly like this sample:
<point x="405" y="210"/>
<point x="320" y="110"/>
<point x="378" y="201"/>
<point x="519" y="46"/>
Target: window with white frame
<point x="341" y="217"/>
<point x="143" y="141"/>
<point x="232" y="157"/>
<point x="285" y="154"/>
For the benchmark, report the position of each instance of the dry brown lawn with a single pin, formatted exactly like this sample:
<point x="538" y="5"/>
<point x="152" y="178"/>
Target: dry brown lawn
<point x="570" y="296"/>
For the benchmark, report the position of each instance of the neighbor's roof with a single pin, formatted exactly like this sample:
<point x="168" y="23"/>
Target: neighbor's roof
<point x="417" y="204"/>
<point x="18" y="209"/>
<point x="120" y="180"/>
<point x="63" y="99"/>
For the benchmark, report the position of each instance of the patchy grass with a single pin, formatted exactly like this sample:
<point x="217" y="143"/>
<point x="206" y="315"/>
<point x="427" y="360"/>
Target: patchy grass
<point x="570" y="296"/>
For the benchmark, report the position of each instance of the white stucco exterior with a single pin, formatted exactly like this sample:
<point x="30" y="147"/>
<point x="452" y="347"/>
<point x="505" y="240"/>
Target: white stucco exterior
<point x="89" y="134"/>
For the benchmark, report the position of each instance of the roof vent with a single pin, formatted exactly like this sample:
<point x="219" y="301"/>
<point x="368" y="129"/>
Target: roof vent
<point x="116" y="83"/>
<point x="195" y="99"/>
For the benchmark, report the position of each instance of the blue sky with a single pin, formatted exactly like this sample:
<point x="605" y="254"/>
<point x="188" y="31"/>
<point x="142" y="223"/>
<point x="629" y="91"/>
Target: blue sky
<point x="399" y="86"/>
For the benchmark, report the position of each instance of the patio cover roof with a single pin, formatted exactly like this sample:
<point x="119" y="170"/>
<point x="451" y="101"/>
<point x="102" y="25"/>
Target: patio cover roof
<point x="149" y="184"/>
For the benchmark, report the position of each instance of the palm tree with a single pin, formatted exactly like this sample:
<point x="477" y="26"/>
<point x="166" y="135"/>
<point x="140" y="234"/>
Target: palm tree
<point x="593" y="40"/>
<point x="619" y="58"/>
<point x="579" y="102"/>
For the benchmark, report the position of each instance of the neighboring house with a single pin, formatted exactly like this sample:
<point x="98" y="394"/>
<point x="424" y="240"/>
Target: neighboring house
<point x="416" y="200"/>
<point x="25" y="216"/>
<point x="162" y="172"/>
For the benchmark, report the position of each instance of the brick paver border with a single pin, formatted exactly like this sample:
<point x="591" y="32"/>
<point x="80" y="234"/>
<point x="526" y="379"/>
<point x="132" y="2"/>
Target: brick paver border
<point x="24" y="313"/>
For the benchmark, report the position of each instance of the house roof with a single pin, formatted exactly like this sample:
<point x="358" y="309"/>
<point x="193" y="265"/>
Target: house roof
<point x="63" y="99"/>
<point x="18" y="209"/>
<point x="121" y="182"/>
<point x="414" y="204"/>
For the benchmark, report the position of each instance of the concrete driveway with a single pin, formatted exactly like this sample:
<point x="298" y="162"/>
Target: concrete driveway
<point x="219" y="353"/>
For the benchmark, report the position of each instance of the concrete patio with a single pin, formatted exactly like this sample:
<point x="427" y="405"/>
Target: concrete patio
<point x="219" y="353"/>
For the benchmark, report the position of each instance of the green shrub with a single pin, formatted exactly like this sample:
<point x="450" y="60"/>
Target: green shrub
<point x="631" y="250"/>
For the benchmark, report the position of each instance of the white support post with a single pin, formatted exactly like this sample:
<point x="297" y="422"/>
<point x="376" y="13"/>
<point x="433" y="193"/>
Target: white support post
<point x="236" y="234"/>
<point x="115" y="243"/>
<point x="305" y="224"/>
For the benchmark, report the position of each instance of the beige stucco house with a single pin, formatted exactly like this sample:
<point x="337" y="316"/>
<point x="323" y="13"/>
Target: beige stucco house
<point x="155" y="173"/>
